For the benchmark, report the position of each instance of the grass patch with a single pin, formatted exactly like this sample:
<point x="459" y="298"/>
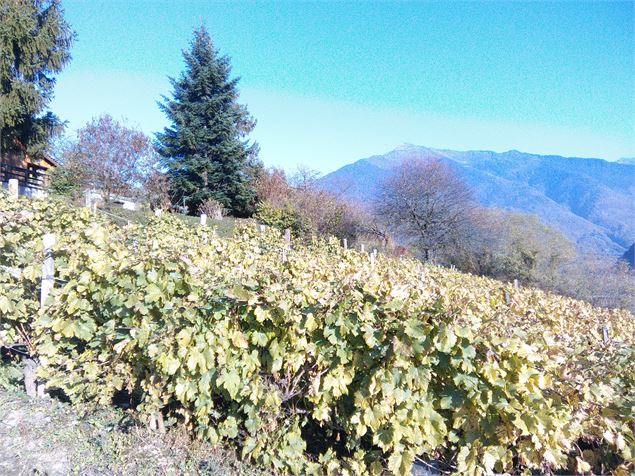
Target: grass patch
<point x="121" y="216"/>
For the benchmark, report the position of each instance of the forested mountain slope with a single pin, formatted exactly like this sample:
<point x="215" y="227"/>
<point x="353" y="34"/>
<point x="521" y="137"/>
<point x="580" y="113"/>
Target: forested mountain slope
<point x="591" y="201"/>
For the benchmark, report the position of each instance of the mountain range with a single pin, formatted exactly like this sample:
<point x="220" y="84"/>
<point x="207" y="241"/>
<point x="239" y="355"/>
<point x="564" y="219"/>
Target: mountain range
<point x="591" y="201"/>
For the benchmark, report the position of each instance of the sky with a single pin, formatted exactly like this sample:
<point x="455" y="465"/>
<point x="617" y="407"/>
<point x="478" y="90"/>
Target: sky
<point x="333" y="82"/>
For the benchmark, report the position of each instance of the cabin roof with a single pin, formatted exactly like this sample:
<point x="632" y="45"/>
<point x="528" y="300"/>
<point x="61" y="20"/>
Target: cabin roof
<point x="50" y="161"/>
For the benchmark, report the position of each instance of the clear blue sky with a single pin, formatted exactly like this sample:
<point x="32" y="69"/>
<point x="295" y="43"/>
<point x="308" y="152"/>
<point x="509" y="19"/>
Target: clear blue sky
<point x="332" y="82"/>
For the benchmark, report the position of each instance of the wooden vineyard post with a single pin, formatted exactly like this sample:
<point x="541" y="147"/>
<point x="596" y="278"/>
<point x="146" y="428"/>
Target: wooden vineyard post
<point x="515" y="284"/>
<point x="34" y="387"/>
<point x="156" y="422"/>
<point x="14" y="188"/>
<point x="605" y="333"/>
<point x="345" y="243"/>
<point x="48" y="268"/>
<point x="362" y="247"/>
<point x="287" y="245"/>
<point x="203" y="219"/>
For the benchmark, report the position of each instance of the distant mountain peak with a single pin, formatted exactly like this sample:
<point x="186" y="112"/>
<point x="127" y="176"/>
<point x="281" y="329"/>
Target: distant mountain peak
<point x="408" y="146"/>
<point x="592" y="201"/>
<point x="420" y="149"/>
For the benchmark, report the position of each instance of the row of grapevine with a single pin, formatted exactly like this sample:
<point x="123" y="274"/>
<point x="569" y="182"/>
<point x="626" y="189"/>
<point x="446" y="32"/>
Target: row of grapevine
<point x="319" y="363"/>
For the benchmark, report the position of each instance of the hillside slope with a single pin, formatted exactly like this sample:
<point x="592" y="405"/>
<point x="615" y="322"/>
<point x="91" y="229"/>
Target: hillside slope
<point x="591" y="201"/>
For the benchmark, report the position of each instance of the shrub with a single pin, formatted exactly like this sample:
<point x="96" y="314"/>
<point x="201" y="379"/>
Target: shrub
<point x="308" y="210"/>
<point x="212" y="208"/>
<point x="282" y="218"/>
<point x="67" y="180"/>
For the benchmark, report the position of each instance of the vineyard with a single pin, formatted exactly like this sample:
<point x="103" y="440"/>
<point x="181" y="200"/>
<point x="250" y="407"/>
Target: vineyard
<point x="312" y="358"/>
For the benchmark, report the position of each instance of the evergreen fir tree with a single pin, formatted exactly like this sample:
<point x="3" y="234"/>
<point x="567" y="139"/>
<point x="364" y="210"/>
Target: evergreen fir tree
<point x="204" y="150"/>
<point x="34" y="45"/>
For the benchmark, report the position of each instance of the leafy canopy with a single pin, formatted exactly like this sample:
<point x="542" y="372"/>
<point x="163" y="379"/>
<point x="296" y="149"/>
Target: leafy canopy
<point x="35" y="40"/>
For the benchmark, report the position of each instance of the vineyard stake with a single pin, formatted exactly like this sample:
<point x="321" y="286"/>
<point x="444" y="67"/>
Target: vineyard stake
<point x="14" y="188"/>
<point x="34" y="387"/>
<point x="605" y="333"/>
<point x="345" y="243"/>
<point x="515" y="284"/>
<point x="203" y="219"/>
<point x="362" y="247"/>
<point x="287" y="237"/>
<point x="156" y="422"/>
<point x="48" y="268"/>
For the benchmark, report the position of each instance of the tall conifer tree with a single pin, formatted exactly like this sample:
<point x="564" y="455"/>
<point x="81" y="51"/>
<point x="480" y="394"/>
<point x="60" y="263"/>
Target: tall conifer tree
<point x="34" y="45"/>
<point x="205" y="149"/>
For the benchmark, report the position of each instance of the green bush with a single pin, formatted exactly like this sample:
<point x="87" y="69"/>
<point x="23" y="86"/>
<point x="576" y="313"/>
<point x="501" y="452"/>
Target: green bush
<point x="282" y="218"/>
<point x="67" y="181"/>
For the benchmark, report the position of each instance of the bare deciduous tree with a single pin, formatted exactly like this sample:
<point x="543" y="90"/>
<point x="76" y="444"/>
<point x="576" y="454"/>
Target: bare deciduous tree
<point x="273" y="188"/>
<point x="114" y="159"/>
<point x="304" y="178"/>
<point x="511" y="246"/>
<point x="155" y="190"/>
<point x="302" y="205"/>
<point x="426" y="205"/>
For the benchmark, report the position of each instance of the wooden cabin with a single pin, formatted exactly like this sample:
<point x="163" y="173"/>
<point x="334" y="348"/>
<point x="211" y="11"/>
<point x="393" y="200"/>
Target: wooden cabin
<point x="31" y="173"/>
